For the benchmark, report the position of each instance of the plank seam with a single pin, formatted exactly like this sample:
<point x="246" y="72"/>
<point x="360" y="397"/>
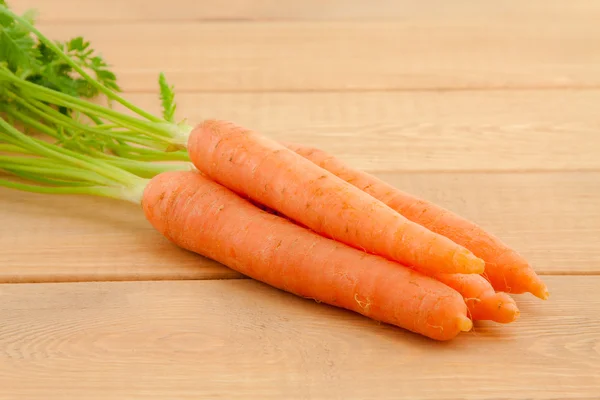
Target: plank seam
<point x="367" y="90"/>
<point x="171" y="279"/>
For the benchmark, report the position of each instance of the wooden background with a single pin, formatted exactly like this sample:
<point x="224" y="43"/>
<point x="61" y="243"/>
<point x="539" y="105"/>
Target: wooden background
<point x="488" y="108"/>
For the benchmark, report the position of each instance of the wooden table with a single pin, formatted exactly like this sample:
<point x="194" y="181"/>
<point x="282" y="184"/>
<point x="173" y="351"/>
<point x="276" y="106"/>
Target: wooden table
<point x="488" y="108"/>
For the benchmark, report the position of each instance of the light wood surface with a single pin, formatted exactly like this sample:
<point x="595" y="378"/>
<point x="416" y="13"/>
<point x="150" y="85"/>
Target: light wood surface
<point x="240" y="339"/>
<point x="60" y="239"/>
<point x="487" y="108"/>
<point x="376" y="55"/>
<point x="507" y="11"/>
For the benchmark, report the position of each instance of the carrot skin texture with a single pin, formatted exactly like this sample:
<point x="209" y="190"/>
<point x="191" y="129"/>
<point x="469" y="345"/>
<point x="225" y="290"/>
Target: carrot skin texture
<point x="481" y="299"/>
<point x="505" y="269"/>
<point x="202" y="216"/>
<point x="267" y="172"/>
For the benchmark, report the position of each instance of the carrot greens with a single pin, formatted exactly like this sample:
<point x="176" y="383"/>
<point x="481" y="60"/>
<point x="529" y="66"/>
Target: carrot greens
<point x="34" y="61"/>
<point x="51" y="83"/>
<point x="61" y="170"/>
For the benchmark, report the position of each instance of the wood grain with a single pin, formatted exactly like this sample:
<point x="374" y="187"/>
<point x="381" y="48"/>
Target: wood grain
<point x="108" y="11"/>
<point x="75" y="238"/>
<point x="243" y="340"/>
<point x="419" y="131"/>
<point x="472" y="53"/>
<point x="553" y="219"/>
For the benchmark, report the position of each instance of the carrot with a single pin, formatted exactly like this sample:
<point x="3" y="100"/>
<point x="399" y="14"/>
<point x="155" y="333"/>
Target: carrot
<point x="482" y="301"/>
<point x="505" y="269"/>
<point x="202" y="216"/>
<point x="269" y="173"/>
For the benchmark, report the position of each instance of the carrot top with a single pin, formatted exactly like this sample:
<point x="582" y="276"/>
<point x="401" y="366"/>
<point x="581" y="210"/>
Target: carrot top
<point x="28" y="100"/>
<point x="51" y="169"/>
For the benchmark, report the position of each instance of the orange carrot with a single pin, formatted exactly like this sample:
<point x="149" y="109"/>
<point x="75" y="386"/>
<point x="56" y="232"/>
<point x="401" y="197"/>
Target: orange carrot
<point x="269" y="173"/>
<point x="482" y="301"/>
<point x="202" y="216"/>
<point x="505" y="269"/>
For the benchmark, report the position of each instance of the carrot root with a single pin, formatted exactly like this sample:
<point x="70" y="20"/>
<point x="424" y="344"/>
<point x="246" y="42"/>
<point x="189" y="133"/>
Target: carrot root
<point x="202" y="216"/>
<point x="479" y="296"/>
<point x="481" y="299"/>
<point x="472" y="264"/>
<point x="267" y="172"/>
<point x="465" y="324"/>
<point x="510" y="273"/>
<point x="505" y="269"/>
<point x="498" y="307"/>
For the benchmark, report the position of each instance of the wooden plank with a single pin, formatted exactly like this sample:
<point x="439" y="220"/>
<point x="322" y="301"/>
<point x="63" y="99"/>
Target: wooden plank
<point x="186" y="10"/>
<point x="72" y="238"/>
<point x="419" y="131"/>
<point x="553" y="219"/>
<point x="244" y="340"/>
<point x="381" y="55"/>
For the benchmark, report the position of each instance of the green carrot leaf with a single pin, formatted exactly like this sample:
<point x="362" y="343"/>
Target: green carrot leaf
<point x="34" y="60"/>
<point x="79" y="49"/>
<point x="167" y="97"/>
<point x="17" y="49"/>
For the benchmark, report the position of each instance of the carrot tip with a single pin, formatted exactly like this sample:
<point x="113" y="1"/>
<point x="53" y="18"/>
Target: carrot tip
<point x="465" y="324"/>
<point x="468" y="263"/>
<point x="541" y="292"/>
<point x="513" y="311"/>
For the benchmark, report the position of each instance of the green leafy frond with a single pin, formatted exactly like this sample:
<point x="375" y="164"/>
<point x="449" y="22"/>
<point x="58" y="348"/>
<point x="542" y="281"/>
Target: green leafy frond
<point x="84" y="148"/>
<point x="18" y="49"/>
<point x="167" y="97"/>
<point x="79" y="49"/>
<point x="30" y="58"/>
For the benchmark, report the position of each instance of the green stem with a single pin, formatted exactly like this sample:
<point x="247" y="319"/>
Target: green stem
<point x="48" y="168"/>
<point x="135" y="153"/>
<point x="142" y="169"/>
<point x="110" y="192"/>
<point x="137" y="165"/>
<point x="49" y="114"/>
<point x="107" y="126"/>
<point x="50" y="44"/>
<point x="22" y="160"/>
<point x="147" y="170"/>
<point x="163" y="133"/>
<point x="68" y="156"/>
<point x="11" y="148"/>
<point x="44" y="179"/>
<point x="95" y="119"/>
<point x="32" y="123"/>
<point x="166" y="132"/>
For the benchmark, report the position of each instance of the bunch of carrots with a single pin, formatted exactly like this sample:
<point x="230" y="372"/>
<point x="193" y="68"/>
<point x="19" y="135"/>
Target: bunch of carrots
<point x="286" y="214"/>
